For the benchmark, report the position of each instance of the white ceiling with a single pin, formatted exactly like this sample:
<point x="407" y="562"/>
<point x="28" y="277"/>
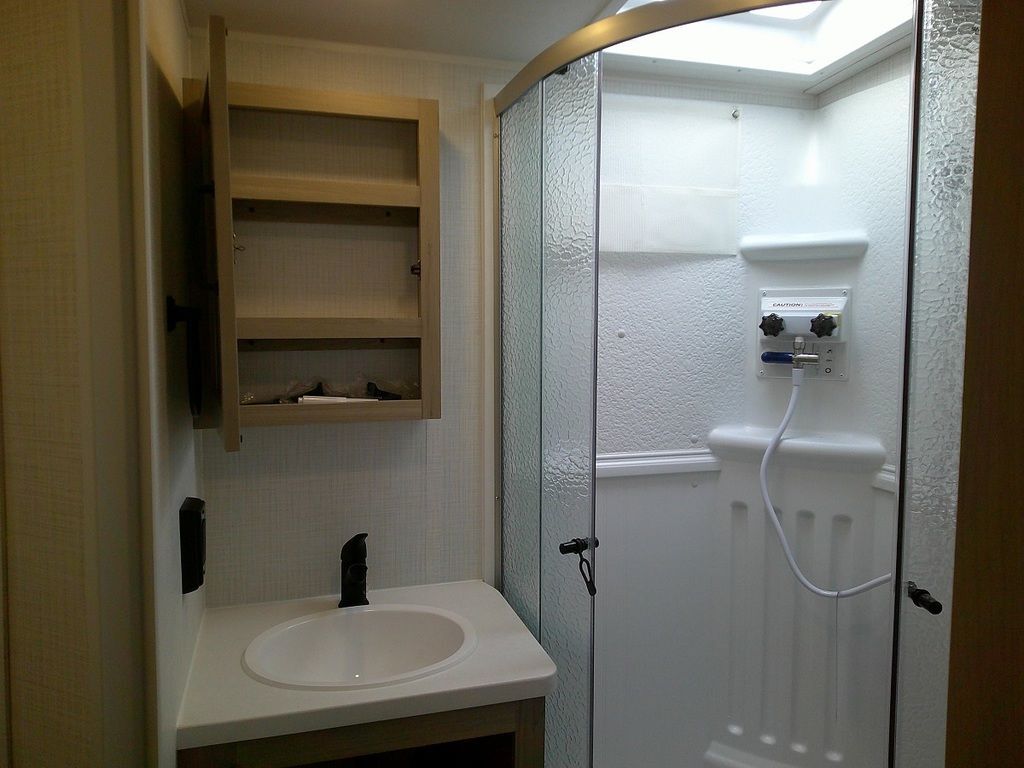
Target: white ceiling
<point x="514" y="30"/>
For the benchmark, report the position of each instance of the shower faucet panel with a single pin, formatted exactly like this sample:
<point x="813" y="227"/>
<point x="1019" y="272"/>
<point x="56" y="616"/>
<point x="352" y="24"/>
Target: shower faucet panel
<point x="821" y="316"/>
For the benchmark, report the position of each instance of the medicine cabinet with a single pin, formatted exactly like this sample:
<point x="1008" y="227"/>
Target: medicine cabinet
<point x="321" y="260"/>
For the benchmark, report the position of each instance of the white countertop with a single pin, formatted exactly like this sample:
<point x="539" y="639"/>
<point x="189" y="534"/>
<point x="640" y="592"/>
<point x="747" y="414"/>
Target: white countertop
<point x="223" y="703"/>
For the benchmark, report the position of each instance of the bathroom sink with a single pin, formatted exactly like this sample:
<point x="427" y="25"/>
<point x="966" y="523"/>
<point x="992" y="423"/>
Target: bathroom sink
<point x="360" y="647"/>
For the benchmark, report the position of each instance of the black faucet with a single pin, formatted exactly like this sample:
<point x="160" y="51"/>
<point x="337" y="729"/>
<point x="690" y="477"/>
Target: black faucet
<point x="353" y="572"/>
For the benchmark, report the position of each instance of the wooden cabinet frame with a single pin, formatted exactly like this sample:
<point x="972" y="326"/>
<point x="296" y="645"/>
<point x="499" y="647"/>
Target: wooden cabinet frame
<point x="524" y="719"/>
<point x="318" y="200"/>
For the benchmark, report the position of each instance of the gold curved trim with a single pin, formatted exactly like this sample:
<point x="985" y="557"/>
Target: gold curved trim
<point x="617" y="29"/>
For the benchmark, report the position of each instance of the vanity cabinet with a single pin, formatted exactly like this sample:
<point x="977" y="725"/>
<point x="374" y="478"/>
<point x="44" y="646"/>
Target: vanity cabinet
<point x="496" y="736"/>
<point x="320" y="250"/>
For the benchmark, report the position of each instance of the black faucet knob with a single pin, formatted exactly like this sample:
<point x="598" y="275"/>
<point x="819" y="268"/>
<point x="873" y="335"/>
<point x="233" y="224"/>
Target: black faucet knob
<point x="823" y="325"/>
<point x="771" y="325"/>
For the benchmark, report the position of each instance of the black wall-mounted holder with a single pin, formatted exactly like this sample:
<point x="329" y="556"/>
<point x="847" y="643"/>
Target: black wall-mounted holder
<point x="579" y="547"/>
<point x="922" y="598"/>
<point x="192" y="530"/>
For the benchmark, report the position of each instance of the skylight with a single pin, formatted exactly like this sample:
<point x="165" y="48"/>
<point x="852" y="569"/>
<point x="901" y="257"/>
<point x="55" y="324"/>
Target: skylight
<point x="831" y="37"/>
<point x="790" y="12"/>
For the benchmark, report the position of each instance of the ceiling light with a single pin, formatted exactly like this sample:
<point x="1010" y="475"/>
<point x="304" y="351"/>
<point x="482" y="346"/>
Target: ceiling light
<point x="790" y="12"/>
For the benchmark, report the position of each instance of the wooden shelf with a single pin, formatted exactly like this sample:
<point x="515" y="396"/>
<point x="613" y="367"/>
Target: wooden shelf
<point x="331" y="344"/>
<point x="325" y="213"/>
<point x="313" y="102"/>
<point x="300" y="190"/>
<point x="284" y="414"/>
<point x="328" y="328"/>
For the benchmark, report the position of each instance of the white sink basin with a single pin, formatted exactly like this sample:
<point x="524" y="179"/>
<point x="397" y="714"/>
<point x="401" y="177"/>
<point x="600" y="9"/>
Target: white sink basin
<point x="361" y="647"/>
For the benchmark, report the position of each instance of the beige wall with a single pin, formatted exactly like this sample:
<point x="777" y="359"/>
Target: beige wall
<point x="67" y="365"/>
<point x="168" y="442"/>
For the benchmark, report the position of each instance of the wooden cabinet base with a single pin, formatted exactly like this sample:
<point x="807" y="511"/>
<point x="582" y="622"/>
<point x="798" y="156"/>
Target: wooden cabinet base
<point x="498" y="735"/>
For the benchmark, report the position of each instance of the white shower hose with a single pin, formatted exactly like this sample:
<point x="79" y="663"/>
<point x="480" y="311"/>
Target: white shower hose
<point x="798" y="378"/>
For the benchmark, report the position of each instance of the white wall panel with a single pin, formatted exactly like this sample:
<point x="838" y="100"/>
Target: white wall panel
<point x="655" y="677"/>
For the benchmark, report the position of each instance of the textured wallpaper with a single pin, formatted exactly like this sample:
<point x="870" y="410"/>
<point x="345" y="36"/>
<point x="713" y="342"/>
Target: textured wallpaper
<point x="73" y="566"/>
<point x="279" y="511"/>
<point x="44" y="429"/>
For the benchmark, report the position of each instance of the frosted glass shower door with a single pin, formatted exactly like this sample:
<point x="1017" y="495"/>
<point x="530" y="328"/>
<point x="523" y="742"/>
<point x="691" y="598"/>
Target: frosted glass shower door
<point x="549" y="158"/>
<point x="935" y="363"/>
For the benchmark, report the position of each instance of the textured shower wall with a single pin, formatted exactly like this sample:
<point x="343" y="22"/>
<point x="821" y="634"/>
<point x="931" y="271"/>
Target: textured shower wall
<point x="854" y="177"/>
<point x="279" y="510"/>
<point x="671" y="342"/>
<point x="676" y="333"/>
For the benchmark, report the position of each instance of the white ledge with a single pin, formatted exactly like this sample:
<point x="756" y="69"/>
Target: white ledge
<point x="611" y="465"/>
<point x="807" y="247"/>
<point x="833" y="451"/>
<point x="656" y="463"/>
<point x="886" y="479"/>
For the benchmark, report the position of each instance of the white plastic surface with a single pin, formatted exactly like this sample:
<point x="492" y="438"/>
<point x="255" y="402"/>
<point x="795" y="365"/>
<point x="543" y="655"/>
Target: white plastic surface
<point x="804" y="247"/>
<point x="832" y="451"/>
<point x="224" y="704"/>
<point x="726" y="657"/>
<point x="798" y="308"/>
<point x="360" y="647"/>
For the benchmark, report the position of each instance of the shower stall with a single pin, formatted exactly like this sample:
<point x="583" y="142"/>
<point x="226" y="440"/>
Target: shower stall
<point x="691" y="192"/>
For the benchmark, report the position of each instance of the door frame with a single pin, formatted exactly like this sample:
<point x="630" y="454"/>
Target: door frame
<point x="986" y="687"/>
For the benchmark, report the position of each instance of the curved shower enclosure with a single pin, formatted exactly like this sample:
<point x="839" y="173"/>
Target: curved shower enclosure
<point x="705" y="207"/>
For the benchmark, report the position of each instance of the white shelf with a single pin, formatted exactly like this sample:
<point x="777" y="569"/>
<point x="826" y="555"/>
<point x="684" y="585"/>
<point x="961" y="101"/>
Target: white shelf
<point x="656" y="463"/>
<point x="805" y="247"/>
<point x="835" y="452"/>
<point x="329" y="328"/>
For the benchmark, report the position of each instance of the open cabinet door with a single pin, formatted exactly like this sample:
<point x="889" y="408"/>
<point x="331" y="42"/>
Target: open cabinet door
<point x="223" y="234"/>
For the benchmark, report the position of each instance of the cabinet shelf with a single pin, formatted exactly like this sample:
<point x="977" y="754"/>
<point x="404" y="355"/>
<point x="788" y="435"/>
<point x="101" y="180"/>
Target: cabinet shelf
<point x="273" y="98"/>
<point x="284" y="211"/>
<point x="328" y="328"/>
<point x="284" y="414"/>
<point x="245" y="186"/>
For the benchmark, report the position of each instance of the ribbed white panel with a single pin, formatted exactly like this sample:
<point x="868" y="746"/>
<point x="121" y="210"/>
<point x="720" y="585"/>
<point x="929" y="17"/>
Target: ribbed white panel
<point x="805" y="686"/>
<point x="682" y="604"/>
